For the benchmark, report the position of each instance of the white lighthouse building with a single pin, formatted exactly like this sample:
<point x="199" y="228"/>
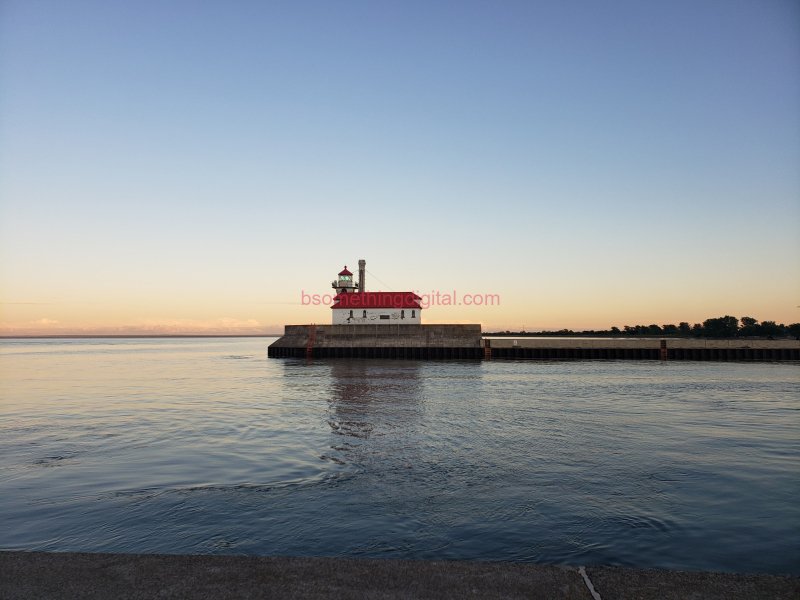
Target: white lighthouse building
<point x="353" y="305"/>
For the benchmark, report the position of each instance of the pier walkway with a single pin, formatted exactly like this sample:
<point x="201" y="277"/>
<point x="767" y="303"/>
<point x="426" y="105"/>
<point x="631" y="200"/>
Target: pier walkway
<point x="58" y="576"/>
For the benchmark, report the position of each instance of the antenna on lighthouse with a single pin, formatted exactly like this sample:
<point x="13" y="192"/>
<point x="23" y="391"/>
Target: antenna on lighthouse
<point x="362" y="267"/>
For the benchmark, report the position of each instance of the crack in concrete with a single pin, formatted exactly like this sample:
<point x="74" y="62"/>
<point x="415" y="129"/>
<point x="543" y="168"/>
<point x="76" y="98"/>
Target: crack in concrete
<point x="588" y="583"/>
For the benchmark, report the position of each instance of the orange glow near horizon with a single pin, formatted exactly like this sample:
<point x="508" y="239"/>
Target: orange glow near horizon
<point x="551" y="312"/>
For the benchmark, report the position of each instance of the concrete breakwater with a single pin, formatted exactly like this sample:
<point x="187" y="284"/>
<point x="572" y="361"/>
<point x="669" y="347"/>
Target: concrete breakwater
<point x="426" y="342"/>
<point x="379" y="341"/>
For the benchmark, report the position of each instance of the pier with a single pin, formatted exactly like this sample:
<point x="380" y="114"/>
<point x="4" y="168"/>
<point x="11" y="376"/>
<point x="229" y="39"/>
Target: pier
<point x="465" y="342"/>
<point x="737" y="349"/>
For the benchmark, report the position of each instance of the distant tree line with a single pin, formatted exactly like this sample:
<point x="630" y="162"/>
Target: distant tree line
<point x="719" y="327"/>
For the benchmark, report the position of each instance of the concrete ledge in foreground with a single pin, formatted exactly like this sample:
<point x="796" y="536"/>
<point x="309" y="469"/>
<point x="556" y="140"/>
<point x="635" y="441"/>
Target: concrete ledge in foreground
<point x="127" y="576"/>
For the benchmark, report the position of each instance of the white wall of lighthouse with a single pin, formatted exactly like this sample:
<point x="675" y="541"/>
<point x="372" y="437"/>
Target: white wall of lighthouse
<point x="376" y="316"/>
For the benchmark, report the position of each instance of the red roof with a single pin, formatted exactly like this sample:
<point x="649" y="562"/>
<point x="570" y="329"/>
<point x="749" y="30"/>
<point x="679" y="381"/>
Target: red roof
<point x="345" y="272"/>
<point x="377" y="300"/>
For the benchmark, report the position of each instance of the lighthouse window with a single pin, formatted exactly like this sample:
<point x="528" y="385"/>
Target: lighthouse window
<point x="351" y="314"/>
<point x="365" y="314"/>
<point x="413" y="314"/>
<point x="402" y="314"/>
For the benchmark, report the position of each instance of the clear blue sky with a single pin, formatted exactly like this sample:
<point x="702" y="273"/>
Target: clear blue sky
<point x="195" y="165"/>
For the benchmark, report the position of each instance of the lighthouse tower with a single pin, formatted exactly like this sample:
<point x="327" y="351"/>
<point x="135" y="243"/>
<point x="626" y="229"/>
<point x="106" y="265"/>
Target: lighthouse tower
<point x="344" y="285"/>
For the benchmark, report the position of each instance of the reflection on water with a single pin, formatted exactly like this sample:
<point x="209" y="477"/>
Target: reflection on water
<point x="366" y="392"/>
<point x="207" y="446"/>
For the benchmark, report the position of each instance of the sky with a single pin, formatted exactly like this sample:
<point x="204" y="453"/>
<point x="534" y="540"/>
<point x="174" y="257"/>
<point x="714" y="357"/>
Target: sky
<point x="196" y="167"/>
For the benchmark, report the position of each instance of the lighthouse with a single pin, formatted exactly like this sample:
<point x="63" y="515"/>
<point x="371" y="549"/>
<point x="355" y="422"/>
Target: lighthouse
<point x="359" y="329"/>
<point x="353" y="305"/>
<point x="344" y="284"/>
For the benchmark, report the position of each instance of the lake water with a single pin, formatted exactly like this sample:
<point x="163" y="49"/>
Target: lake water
<point x="208" y="446"/>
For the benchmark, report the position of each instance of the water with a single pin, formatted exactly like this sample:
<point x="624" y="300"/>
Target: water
<point x="207" y="446"/>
